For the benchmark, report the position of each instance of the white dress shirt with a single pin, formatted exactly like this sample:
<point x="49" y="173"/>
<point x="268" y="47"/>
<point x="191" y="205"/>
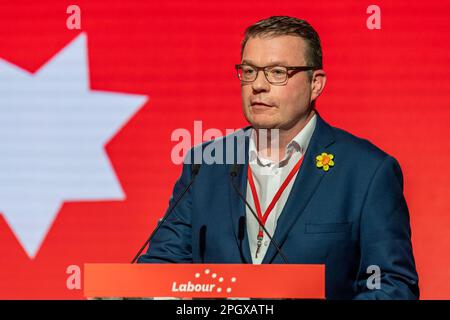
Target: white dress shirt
<point x="268" y="177"/>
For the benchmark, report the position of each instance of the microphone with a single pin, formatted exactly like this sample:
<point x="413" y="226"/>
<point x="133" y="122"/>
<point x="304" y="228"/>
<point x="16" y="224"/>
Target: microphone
<point x="233" y="174"/>
<point x="194" y="172"/>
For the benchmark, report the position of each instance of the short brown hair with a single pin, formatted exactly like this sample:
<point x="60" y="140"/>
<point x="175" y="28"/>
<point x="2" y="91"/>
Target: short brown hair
<point x="284" y="25"/>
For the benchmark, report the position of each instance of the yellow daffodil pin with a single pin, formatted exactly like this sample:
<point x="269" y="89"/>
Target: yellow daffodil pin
<point x="324" y="161"/>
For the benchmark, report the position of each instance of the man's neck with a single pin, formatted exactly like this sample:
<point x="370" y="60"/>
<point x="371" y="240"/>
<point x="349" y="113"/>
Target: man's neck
<point x="277" y="141"/>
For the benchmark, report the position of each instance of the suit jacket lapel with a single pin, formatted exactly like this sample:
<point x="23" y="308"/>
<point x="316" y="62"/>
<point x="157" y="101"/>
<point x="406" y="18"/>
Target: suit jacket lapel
<point x="238" y="208"/>
<point x="305" y="184"/>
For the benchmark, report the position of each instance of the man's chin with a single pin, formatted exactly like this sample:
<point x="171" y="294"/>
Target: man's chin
<point x="263" y="125"/>
<point x="262" y="121"/>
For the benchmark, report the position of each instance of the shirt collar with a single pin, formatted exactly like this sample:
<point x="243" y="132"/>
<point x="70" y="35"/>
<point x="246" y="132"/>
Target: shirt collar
<point x="298" y="144"/>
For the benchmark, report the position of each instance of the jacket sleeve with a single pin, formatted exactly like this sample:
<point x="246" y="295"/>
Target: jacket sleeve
<point x="172" y="242"/>
<point x="385" y="239"/>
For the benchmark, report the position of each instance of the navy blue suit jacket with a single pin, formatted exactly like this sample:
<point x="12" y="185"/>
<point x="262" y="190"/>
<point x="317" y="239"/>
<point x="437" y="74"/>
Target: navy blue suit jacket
<point x="348" y="218"/>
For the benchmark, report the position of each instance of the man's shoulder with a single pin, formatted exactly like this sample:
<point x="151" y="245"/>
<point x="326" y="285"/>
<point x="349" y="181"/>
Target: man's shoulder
<point x="360" y="159"/>
<point x="358" y="150"/>
<point x="357" y="144"/>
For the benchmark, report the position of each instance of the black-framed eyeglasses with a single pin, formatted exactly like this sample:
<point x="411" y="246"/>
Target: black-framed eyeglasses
<point x="277" y="75"/>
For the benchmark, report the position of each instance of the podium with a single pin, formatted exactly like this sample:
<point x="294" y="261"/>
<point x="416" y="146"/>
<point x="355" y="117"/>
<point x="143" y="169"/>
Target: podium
<point x="271" y="281"/>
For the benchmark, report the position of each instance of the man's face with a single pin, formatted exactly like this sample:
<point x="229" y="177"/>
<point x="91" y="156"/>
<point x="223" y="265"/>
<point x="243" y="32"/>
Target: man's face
<point x="276" y="106"/>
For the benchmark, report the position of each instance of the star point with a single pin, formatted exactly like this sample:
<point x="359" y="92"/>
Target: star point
<point x="53" y="130"/>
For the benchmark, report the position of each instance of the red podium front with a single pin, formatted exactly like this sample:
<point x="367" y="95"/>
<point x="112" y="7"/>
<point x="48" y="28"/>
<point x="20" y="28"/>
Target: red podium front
<point x="205" y="280"/>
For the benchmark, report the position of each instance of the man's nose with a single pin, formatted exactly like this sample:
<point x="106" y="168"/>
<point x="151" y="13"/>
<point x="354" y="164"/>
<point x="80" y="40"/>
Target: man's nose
<point x="260" y="83"/>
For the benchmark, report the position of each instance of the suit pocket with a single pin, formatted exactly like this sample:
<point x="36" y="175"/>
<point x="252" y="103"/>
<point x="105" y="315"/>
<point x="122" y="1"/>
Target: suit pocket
<point x="328" y="227"/>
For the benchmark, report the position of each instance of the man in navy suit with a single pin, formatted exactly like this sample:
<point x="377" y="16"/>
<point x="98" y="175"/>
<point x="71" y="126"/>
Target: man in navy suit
<point x="324" y="195"/>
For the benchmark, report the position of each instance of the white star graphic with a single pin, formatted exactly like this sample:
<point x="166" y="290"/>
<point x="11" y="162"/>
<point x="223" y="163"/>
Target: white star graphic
<point x="53" y="130"/>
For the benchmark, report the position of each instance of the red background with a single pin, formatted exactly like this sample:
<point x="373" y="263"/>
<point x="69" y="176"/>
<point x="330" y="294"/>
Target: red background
<point x="389" y="85"/>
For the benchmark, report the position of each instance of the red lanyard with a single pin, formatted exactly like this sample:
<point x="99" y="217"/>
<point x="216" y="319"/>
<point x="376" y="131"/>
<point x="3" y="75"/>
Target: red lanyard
<point x="263" y="218"/>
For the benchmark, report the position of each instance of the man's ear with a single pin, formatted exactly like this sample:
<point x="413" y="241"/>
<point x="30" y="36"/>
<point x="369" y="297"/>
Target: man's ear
<point x="318" y="81"/>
